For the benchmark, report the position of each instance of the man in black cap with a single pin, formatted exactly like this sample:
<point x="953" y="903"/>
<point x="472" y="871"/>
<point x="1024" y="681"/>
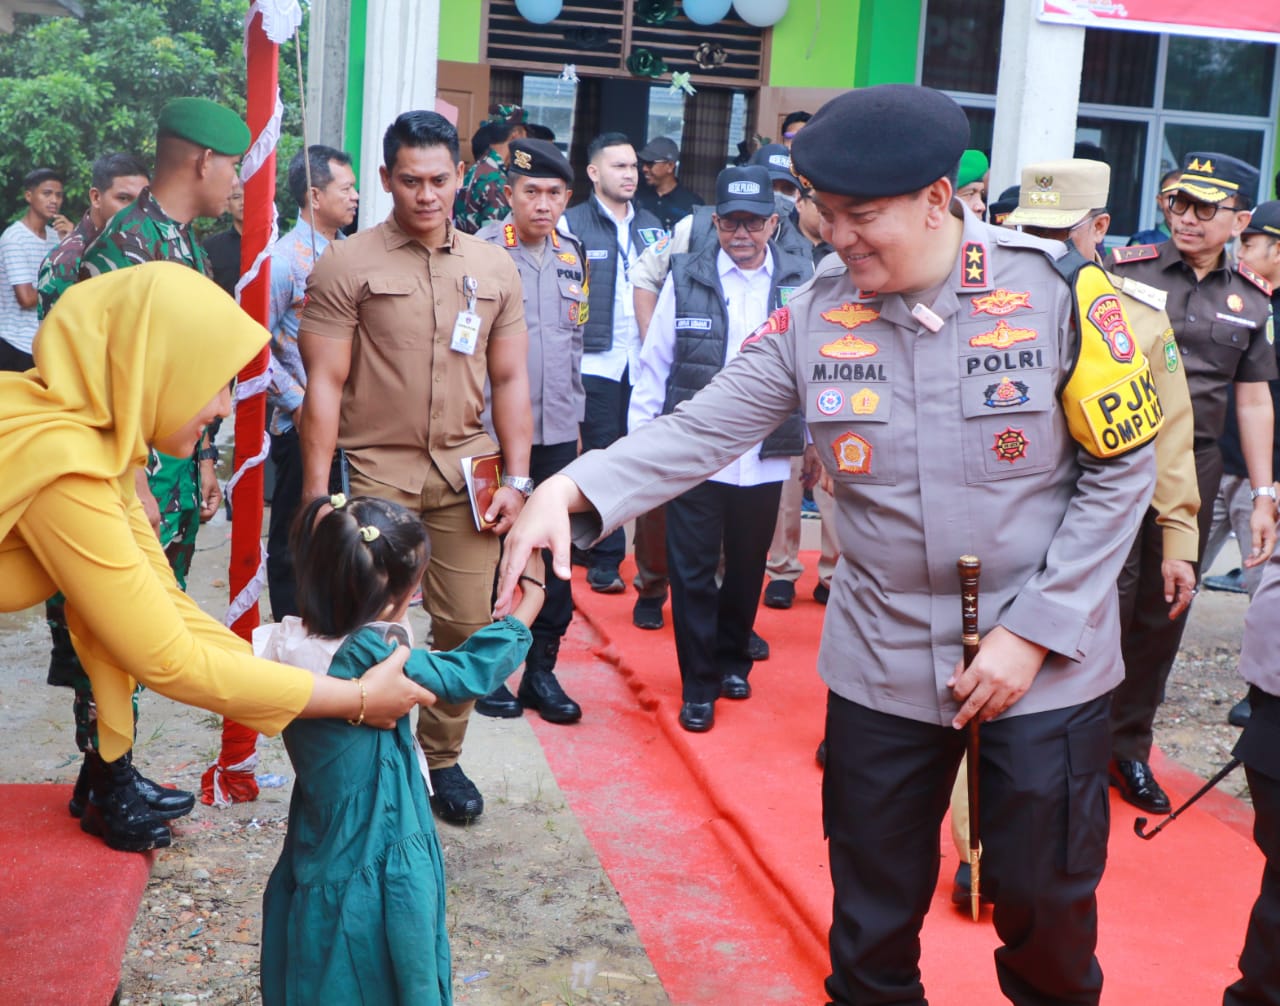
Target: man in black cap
<point x="711" y="302"/>
<point x="553" y="272"/>
<point x="664" y="197"/>
<point x="953" y="382"/>
<point x="776" y="159"/>
<point x="1219" y="311"/>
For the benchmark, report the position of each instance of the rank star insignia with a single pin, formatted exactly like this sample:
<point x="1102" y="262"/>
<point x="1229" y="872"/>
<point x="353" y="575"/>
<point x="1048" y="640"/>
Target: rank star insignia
<point x="1000" y="302"/>
<point x="1003" y="336"/>
<point x="973" y="273"/>
<point x="1194" y="165"/>
<point x="568" y="258"/>
<point x="865" y="402"/>
<point x="509" y="235"/>
<point x="830" y="401"/>
<point x="849" y="347"/>
<point x="1010" y="445"/>
<point x="521" y="159"/>
<point x="1235" y="302"/>
<point x="850" y="316"/>
<point x="1006" y="394"/>
<point x="1107" y="314"/>
<point x="853" y="454"/>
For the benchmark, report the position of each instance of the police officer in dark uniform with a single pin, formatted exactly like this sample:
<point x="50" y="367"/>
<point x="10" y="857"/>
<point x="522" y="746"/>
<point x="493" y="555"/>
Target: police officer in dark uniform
<point x="553" y="272"/>
<point x="1219" y="311"/>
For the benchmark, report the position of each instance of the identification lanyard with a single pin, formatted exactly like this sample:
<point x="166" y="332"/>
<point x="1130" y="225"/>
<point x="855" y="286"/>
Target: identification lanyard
<point x="466" y="330"/>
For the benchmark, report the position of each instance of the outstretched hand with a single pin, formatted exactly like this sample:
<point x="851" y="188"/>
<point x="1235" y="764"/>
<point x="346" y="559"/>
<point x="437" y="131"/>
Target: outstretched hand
<point x="543" y="523"/>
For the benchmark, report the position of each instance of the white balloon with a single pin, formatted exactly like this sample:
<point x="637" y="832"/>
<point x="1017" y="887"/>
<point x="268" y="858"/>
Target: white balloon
<point x="761" y="13"/>
<point x="539" y="11"/>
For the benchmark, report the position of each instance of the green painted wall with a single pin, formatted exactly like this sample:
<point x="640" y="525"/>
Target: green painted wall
<point x="889" y="42"/>
<point x="460" y="30"/>
<point x="355" y="81"/>
<point x="814" y="44"/>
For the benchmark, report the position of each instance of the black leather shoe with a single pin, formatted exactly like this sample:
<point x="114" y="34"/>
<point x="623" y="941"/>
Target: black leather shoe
<point x="822" y="593"/>
<point x="1138" y="786"/>
<point x="456" y="798"/>
<point x="1240" y="713"/>
<point x="779" y="594"/>
<point x="735" y="686"/>
<point x="961" y="889"/>
<point x="116" y="811"/>
<point x="821" y="755"/>
<point x="501" y="704"/>
<point x="541" y="692"/>
<point x="698" y="717"/>
<point x="757" y="648"/>
<point x="647" y="614"/>
<point x="605" y="580"/>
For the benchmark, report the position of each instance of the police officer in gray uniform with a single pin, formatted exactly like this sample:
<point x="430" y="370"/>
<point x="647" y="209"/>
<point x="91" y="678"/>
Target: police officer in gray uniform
<point x="951" y="422"/>
<point x="553" y="272"/>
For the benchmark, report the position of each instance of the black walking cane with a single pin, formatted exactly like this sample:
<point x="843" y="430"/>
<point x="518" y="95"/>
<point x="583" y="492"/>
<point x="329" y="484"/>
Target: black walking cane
<point x="970" y="569"/>
<point x="1141" y="823"/>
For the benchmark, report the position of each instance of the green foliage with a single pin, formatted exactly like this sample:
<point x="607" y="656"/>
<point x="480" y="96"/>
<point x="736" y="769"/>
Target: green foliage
<point x="71" y="90"/>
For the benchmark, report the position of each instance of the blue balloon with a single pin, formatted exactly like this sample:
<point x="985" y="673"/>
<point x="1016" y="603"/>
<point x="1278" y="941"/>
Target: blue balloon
<point x="706" y="11"/>
<point x="761" y="13"/>
<point x="539" y="11"/>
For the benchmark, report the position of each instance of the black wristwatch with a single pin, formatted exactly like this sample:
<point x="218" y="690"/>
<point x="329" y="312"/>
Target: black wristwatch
<point x="209" y="453"/>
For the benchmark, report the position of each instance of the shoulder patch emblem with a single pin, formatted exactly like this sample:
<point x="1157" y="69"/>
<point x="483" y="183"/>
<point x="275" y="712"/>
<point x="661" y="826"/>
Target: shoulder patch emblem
<point x="973" y="265"/>
<point x="864" y="402"/>
<point x="1136" y="253"/>
<point x="1010" y="445"/>
<point x="509" y="235"/>
<point x="1170" y="352"/>
<point x="651" y="235"/>
<point x="778" y="322"/>
<point x="830" y="401"/>
<point x="849" y="347"/>
<point x="1003" y="336"/>
<point x="1006" y="394"/>
<point x="850" y="316"/>
<point x="1253" y="278"/>
<point x="661" y="244"/>
<point x="1108" y="315"/>
<point x="853" y="454"/>
<point x="1000" y="302"/>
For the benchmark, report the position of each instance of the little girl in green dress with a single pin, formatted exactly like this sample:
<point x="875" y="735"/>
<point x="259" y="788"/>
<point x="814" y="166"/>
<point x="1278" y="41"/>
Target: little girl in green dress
<point x="354" y="910"/>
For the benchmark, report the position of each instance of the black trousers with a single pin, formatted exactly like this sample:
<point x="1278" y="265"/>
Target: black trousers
<point x="1045" y="821"/>
<point x="557" y="610"/>
<point x="1259" y="749"/>
<point x="1148" y="640"/>
<point x="604" y="421"/>
<point x="286" y="455"/>
<point x="713" y="623"/>
<point x="13" y="358"/>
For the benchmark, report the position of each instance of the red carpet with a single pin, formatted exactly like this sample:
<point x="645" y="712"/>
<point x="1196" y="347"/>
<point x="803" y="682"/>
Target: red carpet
<point x="715" y="843"/>
<point x="67" y="903"/>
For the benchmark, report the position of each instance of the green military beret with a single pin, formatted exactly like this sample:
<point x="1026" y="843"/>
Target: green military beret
<point x="206" y="123"/>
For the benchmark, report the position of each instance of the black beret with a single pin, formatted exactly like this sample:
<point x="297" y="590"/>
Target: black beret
<point x="886" y="140"/>
<point x="538" y="159"/>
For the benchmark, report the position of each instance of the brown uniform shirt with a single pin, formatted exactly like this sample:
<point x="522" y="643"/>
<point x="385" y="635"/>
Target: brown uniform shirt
<point x="411" y="401"/>
<point x="1220" y="323"/>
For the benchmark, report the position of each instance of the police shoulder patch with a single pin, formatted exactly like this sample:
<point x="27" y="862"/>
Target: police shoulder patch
<point x="1135" y="253"/>
<point x="778" y="323"/>
<point x="1253" y="278"/>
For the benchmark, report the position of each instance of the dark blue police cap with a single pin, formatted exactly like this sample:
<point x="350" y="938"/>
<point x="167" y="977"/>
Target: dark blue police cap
<point x="538" y="159"/>
<point x="1265" y="220"/>
<point x="886" y="140"/>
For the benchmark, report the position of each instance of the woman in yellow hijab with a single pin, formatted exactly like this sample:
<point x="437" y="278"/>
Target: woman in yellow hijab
<point x="134" y="359"/>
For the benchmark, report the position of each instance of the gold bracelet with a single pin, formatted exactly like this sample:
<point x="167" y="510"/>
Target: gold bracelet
<point x="363" y="696"/>
<point x="536" y="583"/>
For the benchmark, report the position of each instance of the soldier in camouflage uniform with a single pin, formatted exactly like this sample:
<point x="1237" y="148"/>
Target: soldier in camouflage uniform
<point x="197" y="146"/>
<point x="482" y="196"/>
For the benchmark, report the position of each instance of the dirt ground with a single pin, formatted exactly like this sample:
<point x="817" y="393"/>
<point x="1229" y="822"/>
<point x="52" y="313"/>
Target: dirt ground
<point x="533" y="918"/>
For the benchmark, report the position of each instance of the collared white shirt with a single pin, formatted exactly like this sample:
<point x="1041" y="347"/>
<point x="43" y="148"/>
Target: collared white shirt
<point x="746" y="296"/>
<point x="625" y="351"/>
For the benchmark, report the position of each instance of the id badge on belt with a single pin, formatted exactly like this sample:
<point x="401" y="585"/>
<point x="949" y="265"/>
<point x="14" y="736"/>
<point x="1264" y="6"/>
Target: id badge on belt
<point x="466" y="330"/>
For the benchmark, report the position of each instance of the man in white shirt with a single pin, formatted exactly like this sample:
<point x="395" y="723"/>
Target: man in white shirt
<point x="23" y="246"/>
<point x="711" y="303"/>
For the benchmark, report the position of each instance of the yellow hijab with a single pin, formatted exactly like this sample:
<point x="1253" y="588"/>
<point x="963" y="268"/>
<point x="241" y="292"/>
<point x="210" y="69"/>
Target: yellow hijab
<point x="122" y="359"/>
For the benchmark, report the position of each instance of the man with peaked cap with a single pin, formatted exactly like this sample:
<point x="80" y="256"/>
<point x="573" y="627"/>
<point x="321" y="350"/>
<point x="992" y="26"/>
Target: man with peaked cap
<point x="951" y="375"/>
<point x="1067" y="201"/>
<point x="1219" y="311"/>
<point x="666" y="198"/>
<point x="198" y="143"/>
<point x="553" y="272"/>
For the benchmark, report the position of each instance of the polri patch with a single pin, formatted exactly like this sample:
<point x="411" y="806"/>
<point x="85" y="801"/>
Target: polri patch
<point x="1107" y="314"/>
<point x="850" y="316"/>
<point x="1003" y="336"/>
<point x="849" y="347"/>
<point x="777" y="323"/>
<point x="1000" y="302"/>
<point x="1010" y="445"/>
<point x="973" y="265"/>
<point x="853" y="454"/>
<point x="1005" y="394"/>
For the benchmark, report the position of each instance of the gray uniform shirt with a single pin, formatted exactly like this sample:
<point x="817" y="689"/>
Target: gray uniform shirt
<point x="940" y="444"/>
<point x="1260" y="648"/>
<point x="555" y="309"/>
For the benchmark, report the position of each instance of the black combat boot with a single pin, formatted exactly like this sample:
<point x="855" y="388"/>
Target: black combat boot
<point x="64" y="665"/>
<point x="539" y="690"/>
<point x="165" y="803"/>
<point x="117" y="812"/>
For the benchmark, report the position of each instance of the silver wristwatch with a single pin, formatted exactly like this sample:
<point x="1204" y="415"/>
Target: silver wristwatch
<point x="1257" y="491"/>
<point x="520" y="483"/>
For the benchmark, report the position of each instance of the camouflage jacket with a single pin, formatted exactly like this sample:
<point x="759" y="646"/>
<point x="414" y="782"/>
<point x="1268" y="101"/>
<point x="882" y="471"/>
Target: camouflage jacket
<point x="62" y="266"/>
<point x="143" y="232"/>
<point x="481" y="199"/>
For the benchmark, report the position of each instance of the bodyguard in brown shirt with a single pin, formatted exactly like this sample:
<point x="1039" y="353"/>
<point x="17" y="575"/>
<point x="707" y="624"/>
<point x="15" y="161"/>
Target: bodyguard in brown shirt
<point x="404" y="323"/>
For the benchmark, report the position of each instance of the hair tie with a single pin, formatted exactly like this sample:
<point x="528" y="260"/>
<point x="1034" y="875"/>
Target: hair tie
<point x="369" y="533"/>
<point x="337" y="501"/>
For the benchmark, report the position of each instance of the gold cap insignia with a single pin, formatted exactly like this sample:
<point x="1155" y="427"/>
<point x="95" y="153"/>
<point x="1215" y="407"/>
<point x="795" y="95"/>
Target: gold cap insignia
<point x="522" y="160"/>
<point x="1044" y="181"/>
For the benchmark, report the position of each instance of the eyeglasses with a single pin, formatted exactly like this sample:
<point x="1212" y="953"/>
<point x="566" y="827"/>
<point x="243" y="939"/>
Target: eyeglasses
<point x="1179" y="204"/>
<point x="753" y="225"/>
